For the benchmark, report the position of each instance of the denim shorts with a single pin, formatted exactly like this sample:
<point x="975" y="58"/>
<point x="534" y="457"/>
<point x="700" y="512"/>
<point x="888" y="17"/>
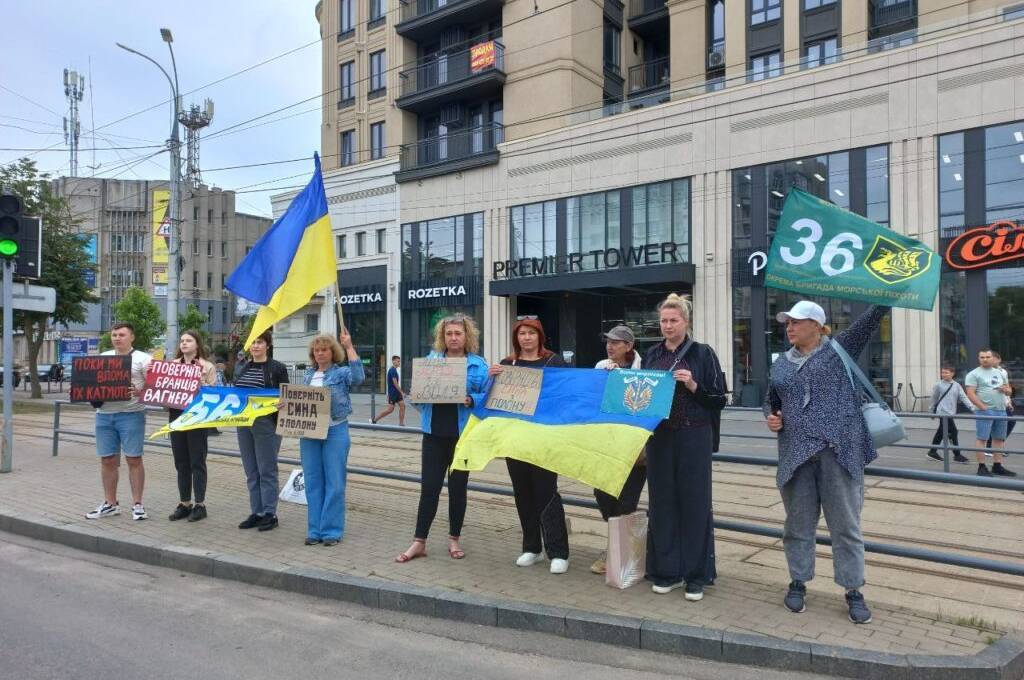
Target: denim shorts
<point x="118" y="433"/>
<point x="994" y="429"/>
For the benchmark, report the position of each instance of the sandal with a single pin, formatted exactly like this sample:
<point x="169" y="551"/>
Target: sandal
<point x="455" y="553"/>
<point x="406" y="557"/>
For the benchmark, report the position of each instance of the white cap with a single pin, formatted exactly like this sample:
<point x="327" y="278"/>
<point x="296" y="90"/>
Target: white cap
<point x="805" y="309"/>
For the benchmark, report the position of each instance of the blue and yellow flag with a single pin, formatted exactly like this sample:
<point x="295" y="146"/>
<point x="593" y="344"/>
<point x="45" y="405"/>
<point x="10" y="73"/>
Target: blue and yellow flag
<point x="223" y="407"/>
<point x="568" y="433"/>
<point x="291" y="262"/>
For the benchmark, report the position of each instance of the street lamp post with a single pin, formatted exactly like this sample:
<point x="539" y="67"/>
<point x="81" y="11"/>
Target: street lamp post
<point x="174" y="207"/>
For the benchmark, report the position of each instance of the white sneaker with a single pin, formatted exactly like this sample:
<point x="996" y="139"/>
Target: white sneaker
<point x="663" y="590"/>
<point x="559" y="566"/>
<point x="528" y="559"/>
<point x="104" y="510"/>
<point x="139" y="512"/>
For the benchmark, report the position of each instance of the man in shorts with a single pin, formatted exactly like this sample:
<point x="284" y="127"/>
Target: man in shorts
<point x="395" y="395"/>
<point x="987" y="389"/>
<point x="120" y="428"/>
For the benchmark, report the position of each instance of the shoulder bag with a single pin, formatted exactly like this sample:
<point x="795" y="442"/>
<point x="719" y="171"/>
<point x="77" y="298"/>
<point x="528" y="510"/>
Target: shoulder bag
<point x="885" y="427"/>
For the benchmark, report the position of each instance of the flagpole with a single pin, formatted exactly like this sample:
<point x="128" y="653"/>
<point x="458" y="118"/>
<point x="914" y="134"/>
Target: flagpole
<point x="337" y="308"/>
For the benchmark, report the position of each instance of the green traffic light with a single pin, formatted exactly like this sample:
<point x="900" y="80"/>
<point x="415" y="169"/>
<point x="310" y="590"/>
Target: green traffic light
<point x="8" y="247"/>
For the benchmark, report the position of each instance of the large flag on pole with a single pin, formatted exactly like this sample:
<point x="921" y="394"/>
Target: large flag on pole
<point x="291" y="262"/>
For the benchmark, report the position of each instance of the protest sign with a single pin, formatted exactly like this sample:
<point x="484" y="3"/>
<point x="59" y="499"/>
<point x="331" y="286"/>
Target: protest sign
<point x="638" y="393"/>
<point x="438" y="380"/>
<point x="821" y="249"/>
<point x="223" y="407"/>
<point x="516" y="390"/>
<point x="101" y="378"/>
<point x="171" y="384"/>
<point x="304" y="411"/>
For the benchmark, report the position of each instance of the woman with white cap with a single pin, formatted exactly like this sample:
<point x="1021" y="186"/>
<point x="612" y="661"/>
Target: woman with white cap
<point x="824" y="445"/>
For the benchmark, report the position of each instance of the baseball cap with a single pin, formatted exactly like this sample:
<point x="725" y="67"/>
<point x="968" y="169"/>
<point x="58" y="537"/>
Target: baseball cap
<point x="622" y="333"/>
<point x="805" y="309"/>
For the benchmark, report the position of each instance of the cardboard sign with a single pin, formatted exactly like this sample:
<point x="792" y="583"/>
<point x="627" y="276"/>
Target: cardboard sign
<point x="304" y="411"/>
<point x="516" y="390"/>
<point x="438" y="380"/>
<point x="638" y="393"/>
<point x="101" y="378"/>
<point x="171" y="384"/>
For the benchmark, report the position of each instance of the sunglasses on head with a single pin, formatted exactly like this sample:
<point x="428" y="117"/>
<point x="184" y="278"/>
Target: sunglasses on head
<point x="524" y="317"/>
<point x="455" y="318"/>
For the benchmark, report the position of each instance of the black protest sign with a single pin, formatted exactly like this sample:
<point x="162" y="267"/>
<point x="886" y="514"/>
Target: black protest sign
<point x="101" y="378"/>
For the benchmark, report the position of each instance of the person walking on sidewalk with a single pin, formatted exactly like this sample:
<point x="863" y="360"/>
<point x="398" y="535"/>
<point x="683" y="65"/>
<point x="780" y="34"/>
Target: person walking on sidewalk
<point x="121" y="427"/>
<point x="946" y="396"/>
<point x="824" y="446"/>
<point x="259" y="444"/>
<point x="541" y="513"/>
<point x="680" y="534"/>
<point x="395" y="394"/>
<point x="190" y="447"/>
<point x="454" y="336"/>
<point x="987" y="388"/>
<point x="1010" y="423"/>
<point x="325" y="461"/>
<point x="619" y="344"/>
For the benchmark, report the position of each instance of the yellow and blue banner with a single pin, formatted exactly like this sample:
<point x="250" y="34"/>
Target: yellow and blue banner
<point x="569" y="433"/>
<point x="291" y="262"/>
<point x="223" y="407"/>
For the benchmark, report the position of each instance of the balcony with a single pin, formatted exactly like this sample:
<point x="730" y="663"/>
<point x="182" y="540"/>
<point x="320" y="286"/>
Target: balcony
<point x="649" y="83"/>
<point x="649" y="19"/>
<point x="476" y="73"/>
<point x="422" y="19"/>
<point x="451" y="152"/>
<point x="889" y="17"/>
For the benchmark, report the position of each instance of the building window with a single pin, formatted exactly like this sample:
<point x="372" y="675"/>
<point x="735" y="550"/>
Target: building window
<point x="533" y="230"/>
<point x="209" y="248"/>
<point x="209" y="280"/>
<point x="814" y="4"/>
<point x="382" y="241"/>
<point x="376" y="14"/>
<point x="348" y="147"/>
<point x="661" y="214"/>
<point x="360" y="243"/>
<point x="821" y="52"/>
<point x="195" y="213"/>
<point x="376" y="141"/>
<point x="195" y="279"/>
<point x="312" y="323"/>
<point x="223" y="248"/>
<point x="223" y="280"/>
<point x="763" y="11"/>
<point x="612" y="47"/>
<point x="209" y="216"/>
<point x="348" y="19"/>
<point x="224" y="314"/>
<point x="378" y="65"/>
<point x="593" y="222"/>
<point x="891" y="24"/>
<point x="195" y="246"/>
<point x="716" y="53"/>
<point x="223" y="217"/>
<point x="764" y="66"/>
<point x="346" y="84"/>
<point x="342" y="246"/>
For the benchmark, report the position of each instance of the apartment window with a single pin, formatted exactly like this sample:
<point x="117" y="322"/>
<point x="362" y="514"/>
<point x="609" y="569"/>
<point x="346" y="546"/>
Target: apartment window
<point x="223" y="280"/>
<point x="377" y="67"/>
<point x="376" y="141"/>
<point x="376" y="14"/>
<point x="382" y="240"/>
<point x="209" y="280"/>
<point x="247" y="249"/>
<point x="612" y="47"/>
<point x="209" y="248"/>
<point x="195" y="246"/>
<point x="346" y="84"/>
<point x="224" y="314"/>
<point x="223" y="248"/>
<point x="764" y="66"/>
<point x="348" y="19"/>
<point x="814" y="4"/>
<point x="195" y="279"/>
<point x="195" y="213"/>
<point x="312" y="323"/>
<point x="348" y="147"/>
<point x="821" y="52"/>
<point x="209" y="216"/>
<point x="223" y="217"/>
<point x="763" y="11"/>
<point x="361" y="243"/>
<point x="340" y="245"/>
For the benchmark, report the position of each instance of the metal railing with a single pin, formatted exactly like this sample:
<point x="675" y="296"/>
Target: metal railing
<point x="649" y="75"/>
<point x="449" y="68"/>
<point x="412" y="9"/>
<point x="889" y="17"/>
<point x="953" y="559"/>
<point x="638" y="8"/>
<point x="454" y="146"/>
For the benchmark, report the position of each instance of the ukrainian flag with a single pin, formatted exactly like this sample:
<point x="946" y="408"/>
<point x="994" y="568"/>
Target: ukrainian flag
<point x="291" y="262"/>
<point x="567" y="434"/>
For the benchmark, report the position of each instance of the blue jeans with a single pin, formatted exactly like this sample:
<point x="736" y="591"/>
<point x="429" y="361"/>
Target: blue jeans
<point x="324" y="463"/>
<point x="991" y="429"/>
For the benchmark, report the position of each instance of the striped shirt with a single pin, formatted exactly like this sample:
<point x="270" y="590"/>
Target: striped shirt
<point x="253" y="376"/>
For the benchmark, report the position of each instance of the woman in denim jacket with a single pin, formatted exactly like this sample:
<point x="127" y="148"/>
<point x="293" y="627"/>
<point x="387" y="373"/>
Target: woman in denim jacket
<point x="454" y="336"/>
<point x="324" y="461"/>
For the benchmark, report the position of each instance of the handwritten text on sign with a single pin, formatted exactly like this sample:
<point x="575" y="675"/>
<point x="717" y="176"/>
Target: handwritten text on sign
<point x="304" y="411"/>
<point x="101" y="378"/>
<point x="516" y="390"/>
<point x="439" y="380"/>
<point x="171" y="384"/>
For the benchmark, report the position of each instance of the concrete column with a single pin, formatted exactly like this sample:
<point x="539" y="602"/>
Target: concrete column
<point x="853" y="27"/>
<point x="791" y="33"/>
<point x="735" y="40"/>
<point x="688" y="30"/>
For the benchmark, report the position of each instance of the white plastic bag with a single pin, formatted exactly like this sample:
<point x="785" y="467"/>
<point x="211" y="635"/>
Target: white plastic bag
<point x="627" y="550"/>
<point x="294" y="490"/>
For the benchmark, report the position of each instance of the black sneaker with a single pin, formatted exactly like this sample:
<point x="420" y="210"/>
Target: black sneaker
<point x="267" y="522"/>
<point x="934" y="455"/>
<point x="250" y="521"/>
<point x="859" y="612"/>
<point x="694" y="592"/>
<point x="795" y="597"/>
<point x="328" y="542"/>
<point x="180" y="512"/>
<point x="998" y="469"/>
<point x="960" y="458"/>
<point x="198" y="513"/>
<point x="983" y="470"/>
<point x="313" y="541"/>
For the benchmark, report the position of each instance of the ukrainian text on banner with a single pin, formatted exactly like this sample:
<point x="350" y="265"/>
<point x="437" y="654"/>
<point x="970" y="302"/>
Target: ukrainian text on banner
<point x="821" y="249"/>
<point x="568" y="433"/>
<point x="223" y="407"/>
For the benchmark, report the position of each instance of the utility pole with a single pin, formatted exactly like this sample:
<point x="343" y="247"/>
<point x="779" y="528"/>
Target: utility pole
<point x="194" y="120"/>
<point x="74" y="90"/>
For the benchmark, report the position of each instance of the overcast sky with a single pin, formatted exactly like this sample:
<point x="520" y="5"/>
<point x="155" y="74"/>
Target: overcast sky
<point x="212" y="39"/>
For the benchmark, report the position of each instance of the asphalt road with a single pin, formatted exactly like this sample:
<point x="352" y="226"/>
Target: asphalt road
<point x="66" y="614"/>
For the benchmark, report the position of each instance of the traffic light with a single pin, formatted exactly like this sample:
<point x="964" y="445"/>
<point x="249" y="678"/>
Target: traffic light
<point x="20" y="237"/>
<point x="10" y="225"/>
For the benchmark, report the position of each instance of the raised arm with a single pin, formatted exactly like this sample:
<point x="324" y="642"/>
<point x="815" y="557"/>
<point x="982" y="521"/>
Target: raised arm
<point x="855" y="338"/>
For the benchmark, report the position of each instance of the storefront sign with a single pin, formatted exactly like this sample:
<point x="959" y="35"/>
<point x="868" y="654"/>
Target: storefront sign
<point x="638" y="393"/>
<point x="102" y="378"/>
<point x="171" y="384"/>
<point x="362" y="298"/>
<point x="516" y="390"/>
<point x="999" y="242"/>
<point x="440" y="380"/>
<point x="570" y="263"/>
<point x="461" y="291"/>
<point x="481" y="56"/>
<point x="304" y="411"/>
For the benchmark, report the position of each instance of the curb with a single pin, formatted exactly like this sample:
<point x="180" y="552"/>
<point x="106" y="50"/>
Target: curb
<point x="1002" y="660"/>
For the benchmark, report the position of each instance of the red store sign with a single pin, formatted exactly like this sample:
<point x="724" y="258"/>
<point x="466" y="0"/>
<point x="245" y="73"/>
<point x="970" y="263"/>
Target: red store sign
<point x="999" y="242"/>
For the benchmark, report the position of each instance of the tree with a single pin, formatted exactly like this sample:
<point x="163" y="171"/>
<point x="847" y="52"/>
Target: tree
<point x="194" y="320"/>
<point x="141" y="312"/>
<point x="65" y="261"/>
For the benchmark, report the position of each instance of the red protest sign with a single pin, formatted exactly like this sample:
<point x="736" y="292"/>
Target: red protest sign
<point x="171" y="384"/>
<point x="101" y="378"/>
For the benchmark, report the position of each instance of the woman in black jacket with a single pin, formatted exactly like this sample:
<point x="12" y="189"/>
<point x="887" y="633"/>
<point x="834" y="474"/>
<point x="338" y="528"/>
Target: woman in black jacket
<point x="680" y="537"/>
<point x="260" y="444"/>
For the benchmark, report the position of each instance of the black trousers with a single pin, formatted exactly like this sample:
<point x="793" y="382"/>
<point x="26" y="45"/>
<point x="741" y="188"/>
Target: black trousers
<point x="954" y="435"/>
<point x="540" y="509"/>
<point x="437" y="455"/>
<point x="680" y="530"/>
<point x="189" y="448"/>
<point x="626" y="503"/>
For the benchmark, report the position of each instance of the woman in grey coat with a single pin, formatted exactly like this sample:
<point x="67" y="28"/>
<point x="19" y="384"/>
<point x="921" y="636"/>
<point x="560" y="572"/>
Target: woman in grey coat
<point x="824" y="445"/>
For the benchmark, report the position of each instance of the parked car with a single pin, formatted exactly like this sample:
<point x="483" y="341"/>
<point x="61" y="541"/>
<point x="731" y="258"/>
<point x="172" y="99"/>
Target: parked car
<point x="48" y="372"/>
<point x="17" y="376"/>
